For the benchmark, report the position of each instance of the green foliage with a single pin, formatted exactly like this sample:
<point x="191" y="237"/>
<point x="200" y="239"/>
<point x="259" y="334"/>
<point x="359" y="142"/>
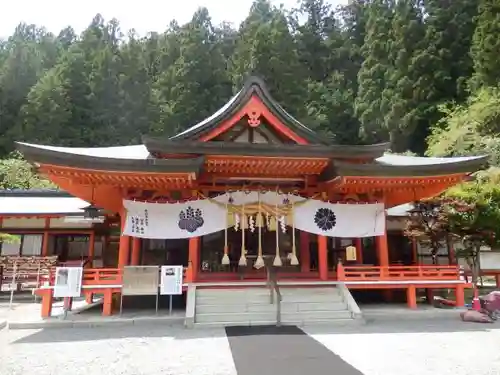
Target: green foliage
<point x="469" y="129"/>
<point x="17" y="173"/>
<point x="372" y="77"/>
<point x="367" y="71"/>
<point x="9" y="238"/>
<point x="479" y="224"/>
<point x="486" y="45"/>
<point x="482" y="223"/>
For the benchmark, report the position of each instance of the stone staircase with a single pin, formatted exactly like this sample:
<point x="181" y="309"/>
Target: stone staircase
<point x="252" y="306"/>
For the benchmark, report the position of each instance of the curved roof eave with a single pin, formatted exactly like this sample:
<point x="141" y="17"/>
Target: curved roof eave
<point x="403" y="160"/>
<point x="170" y="146"/>
<point x="253" y="85"/>
<point x="426" y="168"/>
<point x="133" y="152"/>
<point x="92" y="160"/>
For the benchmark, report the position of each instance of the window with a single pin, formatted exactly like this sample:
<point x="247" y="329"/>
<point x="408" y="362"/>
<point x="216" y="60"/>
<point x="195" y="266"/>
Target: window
<point x="28" y="245"/>
<point x="11" y="248"/>
<point x="32" y="244"/>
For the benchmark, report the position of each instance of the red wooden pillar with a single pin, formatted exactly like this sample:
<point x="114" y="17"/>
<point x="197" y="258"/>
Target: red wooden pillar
<point x="411" y="297"/>
<point x="322" y="258"/>
<point x="383" y="259"/>
<point x="89" y="296"/>
<point x="91" y="247"/>
<point x="136" y="251"/>
<point x="382" y="250"/>
<point x="459" y="296"/>
<point x="305" y="255"/>
<point x="414" y="250"/>
<point x="45" y="240"/>
<point x="358" y="244"/>
<point x="47" y="298"/>
<point x="194" y="257"/>
<point x="124" y="247"/>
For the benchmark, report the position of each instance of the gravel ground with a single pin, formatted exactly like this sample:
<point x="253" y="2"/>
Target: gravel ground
<point x="409" y="348"/>
<point x="418" y="348"/>
<point x="112" y="351"/>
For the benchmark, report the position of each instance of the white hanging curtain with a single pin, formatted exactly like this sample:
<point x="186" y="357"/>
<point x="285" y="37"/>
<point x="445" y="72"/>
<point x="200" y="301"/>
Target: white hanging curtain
<point x="340" y="220"/>
<point x="206" y="216"/>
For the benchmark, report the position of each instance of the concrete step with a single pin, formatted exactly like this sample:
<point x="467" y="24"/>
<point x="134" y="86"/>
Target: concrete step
<point x="227" y="324"/>
<point x="226" y="300"/>
<point x="236" y="317"/>
<point x="320" y="306"/>
<point x="308" y="291"/>
<point x="267" y="307"/>
<point x="251" y="306"/>
<point x="328" y="322"/>
<point x="298" y="298"/>
<point x="234" y="308"/>
<point x="232" y="292"/>
<point x="311" y="316"/>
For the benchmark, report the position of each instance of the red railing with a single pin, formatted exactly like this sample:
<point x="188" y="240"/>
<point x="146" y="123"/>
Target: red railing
<point x="395" y="273"/>
<point x="102" y="276"/>
<point x="97" y="276"/>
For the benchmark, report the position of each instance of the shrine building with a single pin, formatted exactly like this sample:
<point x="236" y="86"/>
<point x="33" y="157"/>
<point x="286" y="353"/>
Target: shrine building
<point x="246" y="184"/>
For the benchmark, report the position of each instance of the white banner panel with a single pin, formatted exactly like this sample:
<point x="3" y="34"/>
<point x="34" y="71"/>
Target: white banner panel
<point x="340" y="220"/>
<point x="68" y="282"/>
<point x="202" y="217"/>
<point x="171" y="280"/>
<point x="173" y="220"/>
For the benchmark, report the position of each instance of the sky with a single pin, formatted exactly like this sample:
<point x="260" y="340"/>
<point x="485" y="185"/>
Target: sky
<point x="143" y="15"/>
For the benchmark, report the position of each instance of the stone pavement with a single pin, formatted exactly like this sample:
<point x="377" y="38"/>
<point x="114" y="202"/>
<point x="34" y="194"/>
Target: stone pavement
<point x="416" y="347"/>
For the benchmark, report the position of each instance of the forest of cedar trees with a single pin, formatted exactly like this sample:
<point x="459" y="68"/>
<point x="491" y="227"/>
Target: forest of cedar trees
<point x="422" y="74"/>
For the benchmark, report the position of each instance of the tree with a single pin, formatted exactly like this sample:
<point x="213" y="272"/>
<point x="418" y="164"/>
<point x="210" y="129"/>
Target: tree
<point x="374" y="72"/>
<point x="468" y="213"/>
<point x="469" y="129"/>
<point x="476" y="222"/>
<point x="486" y="44"/>
<point x="405" y="91"/>
<point x="428" y="222"/>
<point x="17" y="173"/>
<point x="28" y="54"/>
<point x="267" y="48"/>
<point x="196" y="83"/>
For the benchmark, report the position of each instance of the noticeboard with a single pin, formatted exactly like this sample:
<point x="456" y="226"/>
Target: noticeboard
<point x="140" y="280"/>
<point x="350" y="253"/>
<point x="171" y="280"/>
<point x="68" y="282"/>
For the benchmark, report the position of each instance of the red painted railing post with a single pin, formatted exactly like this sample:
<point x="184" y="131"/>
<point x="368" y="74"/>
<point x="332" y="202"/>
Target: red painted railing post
<point x="189" y="273"/>
<point x="340" y="271"/>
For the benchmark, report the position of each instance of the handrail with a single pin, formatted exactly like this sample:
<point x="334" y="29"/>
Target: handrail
<point x="274" y="288"/>
<point x="278" y="305"/>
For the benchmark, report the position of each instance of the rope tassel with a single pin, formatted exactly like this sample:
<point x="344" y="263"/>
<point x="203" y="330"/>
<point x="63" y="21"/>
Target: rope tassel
<point x="277" y="259"/>
<point x="259" y="262"/>
<point x="243" y="259"/>
<point x="225" y="259"/>
<point x="294" y="261"/>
